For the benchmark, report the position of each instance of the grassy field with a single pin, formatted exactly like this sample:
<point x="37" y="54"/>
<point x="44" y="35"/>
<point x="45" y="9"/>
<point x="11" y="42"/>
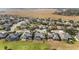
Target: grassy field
<point x="38" y="45"/>
<point x="24" y="45"/>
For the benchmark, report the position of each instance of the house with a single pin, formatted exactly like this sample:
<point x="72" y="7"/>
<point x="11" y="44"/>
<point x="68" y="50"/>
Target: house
<point x="39" y="36"/>
<point x="57" y="31"/>
<point x="38" y="20"/>
<point x="77" y="28"/>
<point x="1" y="27"/>
<point x="3" y="35"/>
<point x="19" y="24"/>
<point x="60" y="27"/>
<point x="51" y="23"/>
<point x="59" y="23"/>
<point x="42" y="27"/>
<point x="7" y="26"/>
<point x="77" y="37"/>
<point x="67" y="23"/>
<point x="63" y="35"/>
<point x="41" y="30"/>
<point x="26" y="36"/>
<point x="13" y="36"/>
<point x="54" y="36"/>
<point x="50" y="36"/>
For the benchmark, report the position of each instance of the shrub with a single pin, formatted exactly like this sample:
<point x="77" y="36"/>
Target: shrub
<point x="5" y="47"/>
<point x="71" y="31"/>
<point x="71" y="41"/>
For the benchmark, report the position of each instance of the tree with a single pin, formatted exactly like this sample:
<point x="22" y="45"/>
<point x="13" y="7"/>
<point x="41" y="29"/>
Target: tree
<point x="71" y="31"/>
<point x="60" y="20"/>
<point x="5" y="47"/>
<point x="71" y="21"/>
<point x="19" y="27"/>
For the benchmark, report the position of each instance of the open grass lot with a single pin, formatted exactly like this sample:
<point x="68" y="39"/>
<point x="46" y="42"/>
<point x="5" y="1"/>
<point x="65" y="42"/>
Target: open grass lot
<point x="24" y="45"/>
<point x="38" y="45"/>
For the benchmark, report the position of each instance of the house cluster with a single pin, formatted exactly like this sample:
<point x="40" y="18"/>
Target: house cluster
<point x="14" y="28"/>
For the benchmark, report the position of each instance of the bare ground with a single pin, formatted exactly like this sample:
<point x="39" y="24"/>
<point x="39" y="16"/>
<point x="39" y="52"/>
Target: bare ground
<point x="61" y="45"/>
<point x="42" y="14"/>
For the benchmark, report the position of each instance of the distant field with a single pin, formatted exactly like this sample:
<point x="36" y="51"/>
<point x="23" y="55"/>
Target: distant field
<point x="42" y="14"/>
<point x="38" y="45"/>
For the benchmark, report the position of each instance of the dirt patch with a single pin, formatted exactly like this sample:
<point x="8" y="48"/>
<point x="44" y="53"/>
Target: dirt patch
<point x="61" y="45"/>
<point x="42" y="14"/>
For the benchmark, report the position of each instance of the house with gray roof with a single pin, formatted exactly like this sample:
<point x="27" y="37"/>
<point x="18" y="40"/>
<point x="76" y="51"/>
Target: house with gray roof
<point x="13" y="36"/>
<point x="26" y="36"/>
<point x="3" y="35"/>
<point x="65" y="36"/>
<point x="54" y="36"/>
<point x="39" y="36"/>
<point x="77" y="37"/>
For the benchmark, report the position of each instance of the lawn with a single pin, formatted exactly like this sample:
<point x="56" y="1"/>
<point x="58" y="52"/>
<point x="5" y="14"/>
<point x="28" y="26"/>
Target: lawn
<point x="38" y="45"/>
<point x="24" y="45"/>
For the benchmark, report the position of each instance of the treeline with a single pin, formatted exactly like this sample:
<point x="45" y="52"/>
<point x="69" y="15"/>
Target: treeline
<point x="69" y="12"/>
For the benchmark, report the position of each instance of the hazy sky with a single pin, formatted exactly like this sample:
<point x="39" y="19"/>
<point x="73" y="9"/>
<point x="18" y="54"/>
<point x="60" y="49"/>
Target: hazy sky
<point x="31" y="9"/>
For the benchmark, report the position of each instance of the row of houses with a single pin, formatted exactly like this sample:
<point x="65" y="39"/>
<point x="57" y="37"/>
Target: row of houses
<point x="7" y="21"/>
<point x="25" y="35"/>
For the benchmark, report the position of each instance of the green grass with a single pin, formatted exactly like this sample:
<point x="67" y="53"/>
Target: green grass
<point x="38" y="45"/>
<point x="24" y="45"/>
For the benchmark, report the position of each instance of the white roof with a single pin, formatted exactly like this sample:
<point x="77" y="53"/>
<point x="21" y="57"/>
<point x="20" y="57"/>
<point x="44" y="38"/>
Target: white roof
<point x="42" y="31"/>
<point x="57" y="31"/>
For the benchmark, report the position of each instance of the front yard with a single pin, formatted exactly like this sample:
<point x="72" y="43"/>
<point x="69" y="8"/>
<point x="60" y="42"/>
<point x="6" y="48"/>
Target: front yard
<point x="38" y="45"/>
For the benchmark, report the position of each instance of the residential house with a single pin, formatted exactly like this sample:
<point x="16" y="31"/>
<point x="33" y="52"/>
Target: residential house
<point x="39" y="36"/>
<point x="54" y="36"/>
<point x="3" y="35"/>
<point x="77" y="37"/>
<point x="13" y="36"/>
<point x="26" y="36"/>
